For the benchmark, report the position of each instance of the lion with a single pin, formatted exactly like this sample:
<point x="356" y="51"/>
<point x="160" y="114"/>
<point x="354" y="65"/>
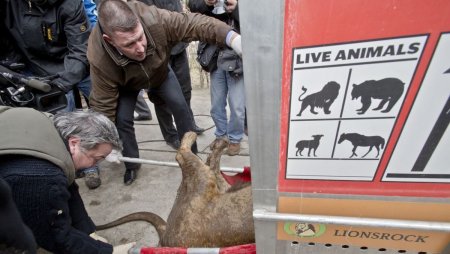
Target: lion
<point x="322" y="99"/>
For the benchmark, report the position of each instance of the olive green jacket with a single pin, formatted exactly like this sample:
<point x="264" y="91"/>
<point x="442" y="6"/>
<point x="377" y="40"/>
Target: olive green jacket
<point x="29" y="132"/>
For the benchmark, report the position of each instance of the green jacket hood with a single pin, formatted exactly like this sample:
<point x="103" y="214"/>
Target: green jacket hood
<point x="29" y="132"/>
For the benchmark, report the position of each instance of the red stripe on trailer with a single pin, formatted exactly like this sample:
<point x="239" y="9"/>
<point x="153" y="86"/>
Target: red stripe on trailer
<point x="245" y="176"/>
<point x="238" y="249"/>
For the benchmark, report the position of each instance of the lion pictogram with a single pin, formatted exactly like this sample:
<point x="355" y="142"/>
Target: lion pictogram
<point x="322" y="99"/>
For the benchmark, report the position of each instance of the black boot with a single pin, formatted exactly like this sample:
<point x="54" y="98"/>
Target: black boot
<point x="130" y="176"/>
<point x="198" y="130"/>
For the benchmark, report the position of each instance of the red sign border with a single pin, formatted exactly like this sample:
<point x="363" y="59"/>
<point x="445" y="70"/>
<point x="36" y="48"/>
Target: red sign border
<point x="408" y="18"/>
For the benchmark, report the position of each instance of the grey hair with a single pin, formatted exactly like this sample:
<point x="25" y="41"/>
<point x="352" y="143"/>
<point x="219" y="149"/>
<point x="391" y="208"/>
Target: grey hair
<point x="92" y="128"/>
<point x="116" y="15"/>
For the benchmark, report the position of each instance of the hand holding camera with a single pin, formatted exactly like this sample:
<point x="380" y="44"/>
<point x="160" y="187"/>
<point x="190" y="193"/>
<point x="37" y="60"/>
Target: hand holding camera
<point x="222" y="6"/>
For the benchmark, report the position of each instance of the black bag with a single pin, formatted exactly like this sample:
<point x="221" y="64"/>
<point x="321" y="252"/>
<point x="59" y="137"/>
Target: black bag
<point x="207" y="56"/>
<point x="229" y="60"/>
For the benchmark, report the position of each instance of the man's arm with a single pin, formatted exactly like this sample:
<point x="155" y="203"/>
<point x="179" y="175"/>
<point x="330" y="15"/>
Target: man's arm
<point x="104" y="94"/>
<point x="189" y="27"/>
<point x="67" y="238"/>
<point x="76" y="29"/>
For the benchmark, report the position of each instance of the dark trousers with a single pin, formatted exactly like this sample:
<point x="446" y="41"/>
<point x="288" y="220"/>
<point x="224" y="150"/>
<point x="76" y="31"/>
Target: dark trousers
<point x="171" y="99"/>
<point x="180" y="65"/>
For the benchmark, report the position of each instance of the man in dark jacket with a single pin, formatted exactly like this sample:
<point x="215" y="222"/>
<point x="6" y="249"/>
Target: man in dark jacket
<point x="129" y="50"/>
<point x="38" y="160"/>
<point x="180" y="65"/>
<point x="52" y="37"/>
<point x="226" y="83"/>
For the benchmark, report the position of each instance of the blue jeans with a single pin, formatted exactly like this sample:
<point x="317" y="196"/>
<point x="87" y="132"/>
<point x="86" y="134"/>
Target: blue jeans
<point x="85" y="87"/>
<point x="223" y="86"/>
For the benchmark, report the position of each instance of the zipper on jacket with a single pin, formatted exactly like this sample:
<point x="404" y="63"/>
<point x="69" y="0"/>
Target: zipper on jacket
<point x="143" y="69"/>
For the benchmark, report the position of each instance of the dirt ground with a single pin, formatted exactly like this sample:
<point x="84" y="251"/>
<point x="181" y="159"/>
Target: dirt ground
<point x="156" y="186"/>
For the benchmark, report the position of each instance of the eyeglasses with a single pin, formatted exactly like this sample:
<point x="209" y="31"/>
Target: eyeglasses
<point x="96" y="159"/>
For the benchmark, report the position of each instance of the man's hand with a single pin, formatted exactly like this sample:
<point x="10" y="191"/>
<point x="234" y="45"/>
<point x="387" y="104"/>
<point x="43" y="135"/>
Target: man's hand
<point x="230" y="5"/>
<point x="236" y="44"/>
<point x="124" y="248"/>
<point x="98" y="238"/>
<point x="114" y="156"/>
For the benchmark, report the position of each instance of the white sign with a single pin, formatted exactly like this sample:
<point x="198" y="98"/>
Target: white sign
<point x="344" y="102"/>
<point x="422" y="151"/>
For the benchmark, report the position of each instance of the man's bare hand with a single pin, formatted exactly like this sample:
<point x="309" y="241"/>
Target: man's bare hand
<point x="230" y="5"/>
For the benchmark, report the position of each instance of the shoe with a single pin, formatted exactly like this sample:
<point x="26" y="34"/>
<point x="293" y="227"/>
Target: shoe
<point x="129" y="177"/>
<point x="198" y="130"/>
<point x="234" y="149"/>
<point x="174" y="144"/>
<point x="92" y="179"/>
<point x="143" y="118"/>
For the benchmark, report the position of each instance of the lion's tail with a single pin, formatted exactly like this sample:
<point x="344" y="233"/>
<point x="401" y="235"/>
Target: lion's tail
<point x="304" y="91"/>
<point x="152" y="218"/>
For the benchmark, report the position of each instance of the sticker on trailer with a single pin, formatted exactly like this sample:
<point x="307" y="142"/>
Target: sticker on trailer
<point x="421" y="154"/>
<point x="345" y="99"/>
<point x="365" y="98"/>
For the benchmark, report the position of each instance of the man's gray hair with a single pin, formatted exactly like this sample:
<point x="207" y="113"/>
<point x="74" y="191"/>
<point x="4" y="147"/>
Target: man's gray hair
<point x="116" y="15"/>
<point x="92" y="128"/>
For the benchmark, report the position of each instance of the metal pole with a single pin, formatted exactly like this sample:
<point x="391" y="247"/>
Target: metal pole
<point x="173" y="164"/>
<point x="263" y="215"/>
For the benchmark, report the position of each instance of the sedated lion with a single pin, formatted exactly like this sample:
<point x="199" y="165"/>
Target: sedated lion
<point x="322" y="99"/>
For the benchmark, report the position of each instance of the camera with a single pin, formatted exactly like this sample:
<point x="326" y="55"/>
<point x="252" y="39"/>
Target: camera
<point x="219" y="7"/>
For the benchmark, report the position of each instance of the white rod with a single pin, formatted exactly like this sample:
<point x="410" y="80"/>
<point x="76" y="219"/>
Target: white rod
<point x="261" y="214"/>
<point x="173" y="164"/>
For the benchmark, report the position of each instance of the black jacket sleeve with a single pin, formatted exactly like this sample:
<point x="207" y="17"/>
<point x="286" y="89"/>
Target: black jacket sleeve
<point x="199" y="6"/>
<point x="77" y="30"/>
<point x="78" y="213"/>
<point x="69" y="239"/>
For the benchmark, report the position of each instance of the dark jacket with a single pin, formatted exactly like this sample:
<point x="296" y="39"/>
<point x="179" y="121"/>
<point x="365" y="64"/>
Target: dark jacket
<point x="199" y="6"/>
<point x="233" y="62"/>
<point x="170" y="5"/>
<point x="38" y="167"/>
<point x="52" y="38"/>
<point x="163" y="29"/>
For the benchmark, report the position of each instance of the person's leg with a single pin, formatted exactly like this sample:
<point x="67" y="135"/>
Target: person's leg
<point x="180" y="66"/>
<point x="170" y="92"/>
<point x="142" y="108"/>
<point x="219" y="91"/>
<point x="85" y="88"/>
<point x="70" y="102"/>
<point x="77" y="98"/>
<point x="165" y="120"/>
<point x="236" y="99"/>
<point x="125" y="127"/>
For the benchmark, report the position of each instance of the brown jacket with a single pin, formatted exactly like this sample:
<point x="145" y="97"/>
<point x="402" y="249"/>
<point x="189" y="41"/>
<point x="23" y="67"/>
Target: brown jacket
<point x="163" y="29"/>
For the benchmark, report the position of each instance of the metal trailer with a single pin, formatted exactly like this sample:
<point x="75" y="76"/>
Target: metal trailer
<point x="399" y="203"/>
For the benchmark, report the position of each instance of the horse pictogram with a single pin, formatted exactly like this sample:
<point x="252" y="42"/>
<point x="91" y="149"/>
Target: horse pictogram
<point x="361" y="140"/>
